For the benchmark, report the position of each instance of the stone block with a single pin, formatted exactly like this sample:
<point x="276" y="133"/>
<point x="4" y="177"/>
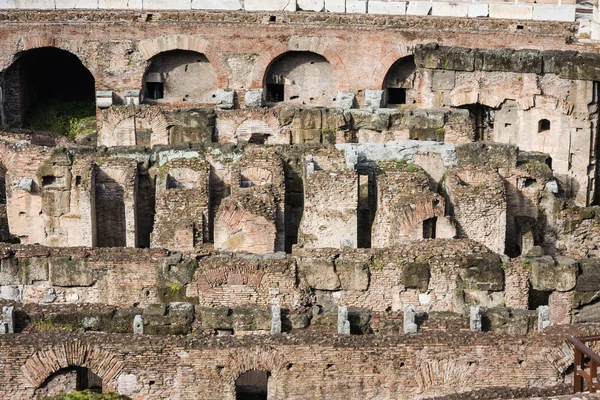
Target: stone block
<point x="10" y="273"/>
<point x="416" y="276"/>
<point x="443" y="80"/>
<point x="345" y="100"/>
<point x="216" y="5"/>
<point x="543" y="317"/>
<point x="343" y="320"/>
<point x="511" y="11"/>
<point x="104" y="98"/>
<point x="270" y="5"/>
<point x="276" y="319"/>
<point x="373" y="99"/>
<point x="353" y="275"/>
<point x="127" y="384"/>
<point x="387" y="7"/>
<point x="224" y="99"/>
<point x="33" y="269"/>
<point x="478" y="10"/>
<point x="336" y="6"/>
<point x="11" y="292"/>
<point x="120" y="4"/>
<point x="167" y="4"/>
<point x="483" y="273"/>
<point x="132" y="97"/>
<point x="443" y="57"/>
<point x="550" y="12"/>
<point x="441" y="9"/>
<point x="311" y="5"/>
<point x="3" y="328"/>
<point x="475" y="319"/>
<point x="409" y="324"/>
<point x="418" y="8"/>
<point x="181" y="313"/>
<point x="65" y="272"/>
<point x="28" y="4"/>
<point x="320" y="274"/>
<point x="589" y="277"/>
<point x="49" y="296"/>
<point x="356" y="6"/>
<point x="8" y="317"/>
<point x="81" y="4"/>
<point x="214" y="317"/>
<point x="253" y="98"/>
<point x="546" y="275"/>
<point x="138" y="325"/>
<point x="26" y="184"/>
<point x="508" y="60"/>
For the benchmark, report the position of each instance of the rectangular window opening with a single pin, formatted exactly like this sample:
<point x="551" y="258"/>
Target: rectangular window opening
<point x="155" y="90"/>
<point x="275" y="92"/>
<point x="429" y="228"/>
<point x="396" y="96"/>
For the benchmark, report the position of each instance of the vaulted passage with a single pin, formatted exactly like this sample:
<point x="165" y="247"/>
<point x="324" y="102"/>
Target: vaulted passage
<point x="49" y="89"/>
<point x="252" y="385"/>
<point x="180" y="76"/>
<point x="300" y="77"/>
<point x="70" y="379"/>
<point x="398" y="82"/>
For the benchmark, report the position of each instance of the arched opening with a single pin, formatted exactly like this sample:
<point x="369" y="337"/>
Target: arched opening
<point x="252" y="385"/>
<point x="50" y="89"/>
<point x="543" y="125"/>
<point x="398" y="81"/>
<point x="300" y="77"/>
<point x="68" y="380"/>
<point x="179" y="75"/>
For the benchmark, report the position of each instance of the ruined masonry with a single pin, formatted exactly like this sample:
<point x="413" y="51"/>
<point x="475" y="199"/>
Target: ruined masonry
<point x="345" y="199"/>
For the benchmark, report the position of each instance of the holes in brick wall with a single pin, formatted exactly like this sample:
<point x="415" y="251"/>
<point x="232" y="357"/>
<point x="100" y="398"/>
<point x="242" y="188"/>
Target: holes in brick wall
<point x="543" y="125"/>
<point x="252" y="385"/>
<point x="429" y="226"/>
<point x="538" y="298"/>
<point x="396" y="96"/>
<point x="155" y="90"/>
<point x="78" y="180"/>
<point x="275" y="92"/>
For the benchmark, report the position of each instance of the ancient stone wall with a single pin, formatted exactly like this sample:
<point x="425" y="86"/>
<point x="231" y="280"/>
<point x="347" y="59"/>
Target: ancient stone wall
<point x="412" y="366"/>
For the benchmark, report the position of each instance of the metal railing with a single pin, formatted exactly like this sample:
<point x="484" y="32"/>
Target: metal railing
<point x="586" y="365"/>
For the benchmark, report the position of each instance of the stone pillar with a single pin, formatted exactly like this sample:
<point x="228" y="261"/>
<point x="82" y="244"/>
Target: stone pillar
<point x="8" y="318"/>
<point x="373" y="99"/>
<point x="475" y="319"/>
<point x="3" y="328"/>
<point x="409" y="320"/>
<point x="275" y="319"/>
<point x="138" y="325"/>
<point x="343" y="323"/>
<point x="543" y="318"/>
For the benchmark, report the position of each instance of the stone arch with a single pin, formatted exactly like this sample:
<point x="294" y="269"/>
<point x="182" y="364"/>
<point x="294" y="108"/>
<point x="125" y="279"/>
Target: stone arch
<point x="47" y="73"/>
<point x="398" y="83"/>
<point x="43" y="363"/>
<point x="384" y="65"/>
<point x="133" y="123"/>
<point x="302" y="78"/>
<point x="254" y="131"/>
<point x="259" y="359"/>
<point x="311" y="44"/>
<point x="152" y="47"/>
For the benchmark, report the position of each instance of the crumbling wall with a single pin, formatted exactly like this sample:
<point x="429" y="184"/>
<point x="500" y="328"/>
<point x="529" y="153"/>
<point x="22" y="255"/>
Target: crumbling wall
<point x="478" y="202"/>
<point x="330" y="204"/>
<point x="182" y="198"/>
<point x="405" y="202"/>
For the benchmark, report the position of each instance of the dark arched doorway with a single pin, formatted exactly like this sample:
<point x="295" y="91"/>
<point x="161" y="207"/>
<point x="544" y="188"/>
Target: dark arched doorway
<point x="180" y="76"/>
<point x="300" y="77"/>
<point x="398" y="82"/>
<point x="49" y="89"/>
<point x="252" y="385"/>
<point x="68" y="380"/>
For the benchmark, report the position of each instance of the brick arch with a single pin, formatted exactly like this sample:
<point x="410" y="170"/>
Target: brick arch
<point x="270" y="360"/>
<point x="42" y="364"/>
<point x="152" y="47"/>
<point x="300" y="43"/>
<point x="386" y="63"/>
<point x="39" y="41"/>
<point x="113" y="116"/>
